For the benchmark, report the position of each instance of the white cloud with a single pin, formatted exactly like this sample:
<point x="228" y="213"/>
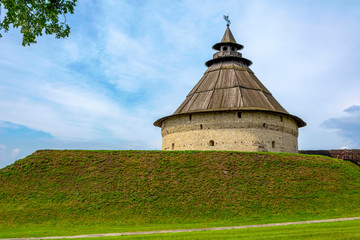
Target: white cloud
<point x="15" y="153"/>
<point x="2" y="147"/>
<point x="142" y="59"/>
<point x="70" y="113"/>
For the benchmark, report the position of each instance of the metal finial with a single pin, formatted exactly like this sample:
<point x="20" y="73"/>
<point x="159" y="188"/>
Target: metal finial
<point x="226" y="17"/>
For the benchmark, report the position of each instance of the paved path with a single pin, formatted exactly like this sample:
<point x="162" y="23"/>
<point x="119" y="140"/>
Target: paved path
<point x="189" y="230"/>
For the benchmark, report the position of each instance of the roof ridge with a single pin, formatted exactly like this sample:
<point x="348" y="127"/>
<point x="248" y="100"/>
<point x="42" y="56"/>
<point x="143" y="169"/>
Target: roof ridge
<point x="212" y="94"/>
<point x="241" y="94"/>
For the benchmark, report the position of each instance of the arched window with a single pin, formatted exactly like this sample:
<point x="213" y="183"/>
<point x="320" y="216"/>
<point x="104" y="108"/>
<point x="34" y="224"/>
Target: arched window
<point x="225" y="48"/>
<point x="211" y="143"/>
<point x="273" y="144"/>
<point x="172" y="145"/>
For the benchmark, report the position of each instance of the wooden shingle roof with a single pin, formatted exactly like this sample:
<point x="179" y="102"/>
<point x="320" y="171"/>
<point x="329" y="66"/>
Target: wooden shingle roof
<point x="229" y="85"/>
<point x="228" y="39"/>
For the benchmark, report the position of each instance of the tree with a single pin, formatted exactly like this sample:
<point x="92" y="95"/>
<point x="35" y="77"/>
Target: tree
<point x="35" y="17"/>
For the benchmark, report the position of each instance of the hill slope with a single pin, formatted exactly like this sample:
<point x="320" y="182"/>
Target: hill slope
<point x="142" y="187"/>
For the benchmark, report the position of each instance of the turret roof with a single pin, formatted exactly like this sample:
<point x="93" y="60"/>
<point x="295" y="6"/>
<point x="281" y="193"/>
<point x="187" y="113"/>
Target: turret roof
<point x="229" y="85"/>
<point x="228" y="39"/>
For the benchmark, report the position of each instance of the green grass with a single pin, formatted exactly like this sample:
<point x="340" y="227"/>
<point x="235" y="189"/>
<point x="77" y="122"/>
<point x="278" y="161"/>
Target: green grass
<point x="69" y="192"/>
<point x="317" y="231"/>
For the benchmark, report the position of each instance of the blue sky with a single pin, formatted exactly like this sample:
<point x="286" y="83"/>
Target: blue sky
<point x="128" y="63"/>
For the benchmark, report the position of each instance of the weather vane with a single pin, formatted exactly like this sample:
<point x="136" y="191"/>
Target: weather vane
<point x="226" y="17"/>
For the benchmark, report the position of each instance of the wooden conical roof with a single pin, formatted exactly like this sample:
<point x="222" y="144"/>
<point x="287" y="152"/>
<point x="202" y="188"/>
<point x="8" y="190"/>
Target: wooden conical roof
<point x="228" y="39"/>
<point x="229" y="85"/>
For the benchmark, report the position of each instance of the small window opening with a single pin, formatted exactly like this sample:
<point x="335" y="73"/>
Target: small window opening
<point x="239" y="114"/>
<point x="224" y="48"/>
<point x="190" y="117"/>
<point x="233" y="49"/>
<point x="201" y="127"/>
<point x="211" y="143"/>
<point x="172" y="145"/>
<point x="273" y="144"/>
<point x="264" y="124"/>
<point x="281" y="118"/>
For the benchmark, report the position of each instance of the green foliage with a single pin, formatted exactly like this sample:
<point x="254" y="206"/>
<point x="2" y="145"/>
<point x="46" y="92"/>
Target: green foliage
<point x="35" y="17"/>
<point x="80" y="188"/>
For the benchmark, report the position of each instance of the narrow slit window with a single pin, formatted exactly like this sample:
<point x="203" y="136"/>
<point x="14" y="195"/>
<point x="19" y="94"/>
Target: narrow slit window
<point x="273" y="144"/>
<point x="239" y="114"/>
<point x="281" y="118"/>
<point x="172" y="145"/>
<point x="190" y="116"/>
<point x="201" y="126"/>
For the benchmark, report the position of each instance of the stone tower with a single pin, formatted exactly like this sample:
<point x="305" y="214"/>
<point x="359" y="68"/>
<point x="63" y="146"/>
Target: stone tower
<point x="230" y="109"/>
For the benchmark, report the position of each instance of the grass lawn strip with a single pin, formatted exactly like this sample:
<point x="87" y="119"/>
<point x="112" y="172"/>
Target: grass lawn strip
<point x="190" y="230"/>
<point x="320" y="231"/>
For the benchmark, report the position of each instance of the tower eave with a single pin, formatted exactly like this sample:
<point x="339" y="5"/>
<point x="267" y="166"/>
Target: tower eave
<point x="299" y="121"/>
<point x="244" y="61"/>
<point x="217" y="46"/>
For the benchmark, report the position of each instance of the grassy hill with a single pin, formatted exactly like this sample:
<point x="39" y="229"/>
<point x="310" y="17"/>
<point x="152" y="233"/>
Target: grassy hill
<point x="77" y="188"/>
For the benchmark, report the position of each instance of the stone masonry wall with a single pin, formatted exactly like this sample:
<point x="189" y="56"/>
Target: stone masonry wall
<point x="233" y="131"/>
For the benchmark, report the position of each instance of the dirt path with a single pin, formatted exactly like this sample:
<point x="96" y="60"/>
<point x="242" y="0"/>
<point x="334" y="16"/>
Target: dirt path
<point x="189" y="230"/>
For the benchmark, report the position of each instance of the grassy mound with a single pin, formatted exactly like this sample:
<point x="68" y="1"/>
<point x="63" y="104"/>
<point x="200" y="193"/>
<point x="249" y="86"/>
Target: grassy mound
<point x="80" y="188"/>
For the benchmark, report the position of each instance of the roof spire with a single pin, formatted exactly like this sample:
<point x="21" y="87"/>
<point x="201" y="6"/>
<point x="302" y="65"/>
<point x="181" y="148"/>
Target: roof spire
<point x="226" y="17"/>
<point x="228" y="38"/>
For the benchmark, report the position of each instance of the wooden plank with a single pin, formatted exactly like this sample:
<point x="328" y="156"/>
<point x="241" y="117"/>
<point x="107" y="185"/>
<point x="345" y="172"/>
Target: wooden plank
<point x="217" y="99"/>
<point x="244" y="80"/>
<point x="226" y="79"/>
<point x="255" y="99"/>
<point x="228" y="98"/>
<point x="201" y="102"/>
<point x="208" y="83"/>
